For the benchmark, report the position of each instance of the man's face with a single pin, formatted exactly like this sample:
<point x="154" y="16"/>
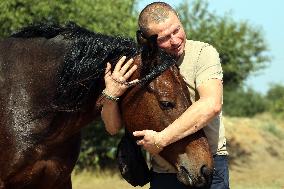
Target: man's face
<point x="171" y="35"/>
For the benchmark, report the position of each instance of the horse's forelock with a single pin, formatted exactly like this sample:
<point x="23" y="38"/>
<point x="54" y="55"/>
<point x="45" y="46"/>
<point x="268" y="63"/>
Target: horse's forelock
<point x="153" y="70"/>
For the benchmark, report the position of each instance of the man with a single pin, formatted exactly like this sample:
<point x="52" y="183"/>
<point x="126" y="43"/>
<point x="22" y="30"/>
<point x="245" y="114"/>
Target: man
<point x="200" y="65"/>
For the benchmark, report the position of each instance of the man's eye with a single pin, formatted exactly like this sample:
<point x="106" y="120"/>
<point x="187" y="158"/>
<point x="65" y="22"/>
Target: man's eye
<point x="163" y="39"/>
<point x="176" y="30"/>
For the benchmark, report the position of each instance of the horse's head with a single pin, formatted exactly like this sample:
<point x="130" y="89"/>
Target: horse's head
<point x="156" y="105"/>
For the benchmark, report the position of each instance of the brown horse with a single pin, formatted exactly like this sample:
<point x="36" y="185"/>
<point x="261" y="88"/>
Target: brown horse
<point x="50" y="79"/>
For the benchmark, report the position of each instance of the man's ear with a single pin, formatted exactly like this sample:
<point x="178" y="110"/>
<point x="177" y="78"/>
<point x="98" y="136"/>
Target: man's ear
<point x="149" y="42"/>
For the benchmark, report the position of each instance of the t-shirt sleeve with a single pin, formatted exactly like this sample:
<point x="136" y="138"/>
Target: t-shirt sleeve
<point x="208" y="65"/>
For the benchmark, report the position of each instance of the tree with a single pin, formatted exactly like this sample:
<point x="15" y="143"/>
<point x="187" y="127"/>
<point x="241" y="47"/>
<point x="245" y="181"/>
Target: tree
<point x="98" y="148"/>
<point x="244" y="102"/>
<point x="101" y="16"/>
<point x="241" y="46"/>
<point x="275" y="97"/>
<point x="96" y="15"/>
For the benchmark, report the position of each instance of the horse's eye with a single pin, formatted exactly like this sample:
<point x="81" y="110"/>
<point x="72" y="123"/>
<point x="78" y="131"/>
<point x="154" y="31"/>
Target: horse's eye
<point x="166" y="105"/>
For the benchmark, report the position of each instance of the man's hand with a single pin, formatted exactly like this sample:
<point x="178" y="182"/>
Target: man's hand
<point x="114" y="80"/>
<point x="150" y="141"/>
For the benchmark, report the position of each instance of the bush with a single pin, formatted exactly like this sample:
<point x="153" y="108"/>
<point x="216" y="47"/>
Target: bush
<point x="275" y="98"/>
<point x="243" y="102"/>
<point x="98" y="148"/>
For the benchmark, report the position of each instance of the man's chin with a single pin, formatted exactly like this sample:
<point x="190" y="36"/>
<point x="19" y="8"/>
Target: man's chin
<point x="178" y="53"/>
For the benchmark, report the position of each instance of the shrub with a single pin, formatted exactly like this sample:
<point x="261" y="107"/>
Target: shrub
<point x="275" y="98"/>
<point x="243" y="102"/>
<point x="98" y="148"/>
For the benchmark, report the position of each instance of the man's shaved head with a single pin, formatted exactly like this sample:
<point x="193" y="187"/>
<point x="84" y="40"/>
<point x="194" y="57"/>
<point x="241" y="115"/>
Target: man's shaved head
<point x="156" y="13"/>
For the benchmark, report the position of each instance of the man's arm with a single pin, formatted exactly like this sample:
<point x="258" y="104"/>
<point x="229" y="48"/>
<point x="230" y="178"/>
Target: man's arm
<point x="111" y="116"/>
<point x="110" y="112"/>
<point x="210" y="89"/>
<point x="198" y="115"/>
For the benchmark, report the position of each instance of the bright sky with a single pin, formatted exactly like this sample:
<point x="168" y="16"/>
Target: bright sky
<point x="267" y="15"/>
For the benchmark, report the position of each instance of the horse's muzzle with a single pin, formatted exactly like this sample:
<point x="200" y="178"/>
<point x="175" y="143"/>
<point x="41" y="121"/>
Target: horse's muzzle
<point x="202" y="180"/>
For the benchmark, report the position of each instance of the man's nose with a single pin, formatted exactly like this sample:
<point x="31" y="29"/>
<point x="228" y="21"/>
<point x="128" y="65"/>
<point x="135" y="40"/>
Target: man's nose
<point x="174" y="40"/>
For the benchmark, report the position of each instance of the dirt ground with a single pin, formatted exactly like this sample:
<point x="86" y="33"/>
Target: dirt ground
<point x="256" y="148"/>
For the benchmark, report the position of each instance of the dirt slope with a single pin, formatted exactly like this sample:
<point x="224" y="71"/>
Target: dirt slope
<point x="256" y="148"/>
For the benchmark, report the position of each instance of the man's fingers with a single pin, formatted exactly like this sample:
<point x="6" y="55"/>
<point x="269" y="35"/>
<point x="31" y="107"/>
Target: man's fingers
<point x="119" y="64"/>
<point x="108" y="68"/>
<point x="133" y="81"/>
<point x="140" y="142"/>
<point x="126" y="66"/>
<point x="139" y="133"/>
<point x="130" y="72"/>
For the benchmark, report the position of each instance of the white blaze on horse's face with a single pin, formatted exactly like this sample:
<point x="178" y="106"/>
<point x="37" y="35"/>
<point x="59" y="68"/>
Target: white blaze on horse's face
<point x="171" y="35"/>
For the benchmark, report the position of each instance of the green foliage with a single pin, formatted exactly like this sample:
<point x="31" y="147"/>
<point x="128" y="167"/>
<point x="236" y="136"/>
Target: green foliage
<point x="243" y="102"/>
<point x="96" y="15"/>
<point x="98" y="148"/>
<point x="275" y="97"/>
<point x="110" y="17"/>
<point x="241" y="46"/>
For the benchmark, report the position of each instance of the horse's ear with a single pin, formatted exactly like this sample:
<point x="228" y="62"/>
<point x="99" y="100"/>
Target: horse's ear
<point x="153" y="42"/>
<point x="141" y="38"/>
<point x="150" y="42"/>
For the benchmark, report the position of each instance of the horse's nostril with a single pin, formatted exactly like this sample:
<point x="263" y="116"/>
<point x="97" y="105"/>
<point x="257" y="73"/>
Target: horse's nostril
<point x="184" y="176"/>
<point x="184" y="170"/>
<point x="205" y="171"/>
<point x="206" y="176"/>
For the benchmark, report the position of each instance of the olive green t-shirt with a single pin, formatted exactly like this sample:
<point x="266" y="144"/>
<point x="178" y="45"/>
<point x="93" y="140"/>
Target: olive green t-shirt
<point x="199" y="63"/>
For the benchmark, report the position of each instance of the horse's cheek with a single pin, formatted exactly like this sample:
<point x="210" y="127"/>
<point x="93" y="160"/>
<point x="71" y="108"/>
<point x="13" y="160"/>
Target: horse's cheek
<point x="141" y="114"/>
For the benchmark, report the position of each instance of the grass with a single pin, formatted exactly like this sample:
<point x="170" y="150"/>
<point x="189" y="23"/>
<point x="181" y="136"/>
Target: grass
<point x="100" y="180"/>
<point x="108" y="180"/>
<point x="274" y="130"/>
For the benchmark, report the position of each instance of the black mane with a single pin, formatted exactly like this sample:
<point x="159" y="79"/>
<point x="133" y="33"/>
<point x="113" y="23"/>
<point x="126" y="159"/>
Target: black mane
<point x="82" y="73"/>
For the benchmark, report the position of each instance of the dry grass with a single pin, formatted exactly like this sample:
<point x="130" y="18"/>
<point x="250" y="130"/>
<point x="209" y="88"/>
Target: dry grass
<point x="256" y="148"/>
<point x="100" y="180"/>
<point x="257" y="152"/>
